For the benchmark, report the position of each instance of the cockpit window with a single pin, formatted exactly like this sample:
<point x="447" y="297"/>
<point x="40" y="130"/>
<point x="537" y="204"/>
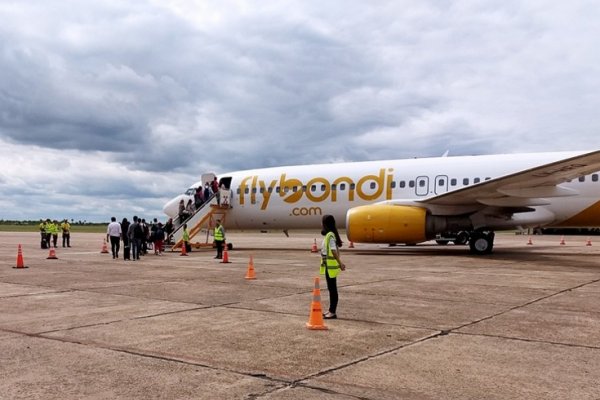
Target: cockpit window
<point x="190" y="192"/>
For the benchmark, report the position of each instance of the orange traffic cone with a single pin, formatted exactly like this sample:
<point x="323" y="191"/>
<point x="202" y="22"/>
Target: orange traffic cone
<point x="588" y="242"/>
<point x="562" y="241"/>
<point x="20" y="263"/>
<point x="183" y="249"/>
<point x="250" y="274"/>
<point x="351" y="245"/>
<point x="529" y="242"/>
<point x="104" y="248"/>
<point x="52" y="255"/>
<point x="314" y="248"/>
<point x="315" y="319"/>
<point x="225" y="254"/>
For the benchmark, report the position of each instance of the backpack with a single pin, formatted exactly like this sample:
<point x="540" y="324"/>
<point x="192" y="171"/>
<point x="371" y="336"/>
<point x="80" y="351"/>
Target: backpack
<point x="138" y="232"/>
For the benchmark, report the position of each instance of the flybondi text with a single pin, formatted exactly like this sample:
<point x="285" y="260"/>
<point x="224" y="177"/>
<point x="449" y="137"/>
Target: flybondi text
<point x="317" y="190"/>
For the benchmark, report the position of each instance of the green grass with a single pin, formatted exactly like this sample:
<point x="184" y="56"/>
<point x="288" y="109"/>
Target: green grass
<point x="75" y="228"/>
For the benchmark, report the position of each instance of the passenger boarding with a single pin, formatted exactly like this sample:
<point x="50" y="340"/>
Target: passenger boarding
<point x="411" y="201"/>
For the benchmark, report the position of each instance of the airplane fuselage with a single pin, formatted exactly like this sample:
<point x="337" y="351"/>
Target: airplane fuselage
<point x="296" y="197"/>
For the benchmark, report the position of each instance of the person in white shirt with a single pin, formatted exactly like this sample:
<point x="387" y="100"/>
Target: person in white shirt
<point x="113" y="233"/>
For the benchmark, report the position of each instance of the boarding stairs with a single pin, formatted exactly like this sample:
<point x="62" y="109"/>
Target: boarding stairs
<point x="202" y="224"/>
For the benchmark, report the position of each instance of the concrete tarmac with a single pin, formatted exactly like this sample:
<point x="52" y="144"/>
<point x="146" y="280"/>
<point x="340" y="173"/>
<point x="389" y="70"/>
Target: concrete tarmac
<point x="423" y="322"/>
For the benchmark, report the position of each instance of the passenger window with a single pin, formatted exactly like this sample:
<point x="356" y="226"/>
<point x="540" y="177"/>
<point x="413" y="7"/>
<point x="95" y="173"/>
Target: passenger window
<point x="595" y="178"/>
<point x="270" y="190"/>
<point x="253" y="190"/>
<point x="313" y="188"/>
<point x="411" y="184"/>
<point x="262" y="190"/>
<point x="286" y="189"/>
<point x="441" y="182"/>
<point x="453" y="181"/>
<point x="487" y="178"/>
<point x="582" y="179"/>
<point x="476" y="180"/>
<point x="334" y="187"/>
<point x="304" y="188"/>
<point x="421" y="182"/>
<point x="352" y="186"/>
<point x="277" y="189"/>
<point x="322" y="188"/>
<point x="342" y="186"/>
<point x="465" y="181"/>
<point x="295" y="189"/>
<point x="372" y="185"/>
<point x="402" y="184"/>
<point x="246" y="190"/>
<point x="393" y="185"/>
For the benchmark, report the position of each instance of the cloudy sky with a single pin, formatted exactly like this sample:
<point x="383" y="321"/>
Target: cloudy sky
<point x="113" y="107"/>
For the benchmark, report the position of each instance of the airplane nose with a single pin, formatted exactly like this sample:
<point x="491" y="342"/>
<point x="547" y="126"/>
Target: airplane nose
<point x="172" y="207"/>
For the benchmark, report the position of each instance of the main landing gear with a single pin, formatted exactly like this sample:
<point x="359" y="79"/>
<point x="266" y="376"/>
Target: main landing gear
<point x="481" y="242"/>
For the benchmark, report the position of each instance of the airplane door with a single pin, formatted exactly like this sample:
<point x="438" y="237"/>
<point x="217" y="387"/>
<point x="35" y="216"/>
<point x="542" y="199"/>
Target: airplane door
<point x="422" y="186"/>
<point x="441" y="184"/>
<point x="208" y="177"/>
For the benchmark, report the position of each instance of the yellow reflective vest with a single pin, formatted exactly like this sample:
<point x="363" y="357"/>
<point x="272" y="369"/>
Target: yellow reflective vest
<point x="219" y="234"/>
<point x="186" y="236"/>
<point x="66" y="227"/>
<point x="328" y="261"/>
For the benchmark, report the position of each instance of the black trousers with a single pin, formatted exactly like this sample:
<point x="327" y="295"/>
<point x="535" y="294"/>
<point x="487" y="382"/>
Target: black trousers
<point x="66" y="239"/>
<point x="219" y="244"/>
<point x="115" y="245"/>
<point x="333" y="292"/>
<point x="126" y="249"/>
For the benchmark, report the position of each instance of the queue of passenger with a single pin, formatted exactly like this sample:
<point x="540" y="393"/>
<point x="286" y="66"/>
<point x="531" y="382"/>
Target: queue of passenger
<point x="138" y="237"/>
<point x="49" y="230"/>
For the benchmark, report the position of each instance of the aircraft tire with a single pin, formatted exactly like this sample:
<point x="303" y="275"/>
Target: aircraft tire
<point x="481" y="243"/>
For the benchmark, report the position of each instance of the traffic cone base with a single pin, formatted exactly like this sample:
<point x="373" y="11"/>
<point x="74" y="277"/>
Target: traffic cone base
<point x="250" y="274"/>
<point x="562" y="241"/>
<point x="315" y="319"/>
<point x="20" y="263"/>
<point x="589" y="242"/>
<point x="529" y="242"/>
<point x="351" y="245"/>
<point x="52" y="255"/>
<point x="183" y="249"/>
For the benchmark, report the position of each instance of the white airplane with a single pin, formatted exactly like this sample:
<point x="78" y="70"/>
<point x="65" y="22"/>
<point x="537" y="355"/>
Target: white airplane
<point x="415" y="200"/>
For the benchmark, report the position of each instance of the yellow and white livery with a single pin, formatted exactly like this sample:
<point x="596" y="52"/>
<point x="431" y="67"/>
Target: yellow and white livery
<point x="413" y="200"/>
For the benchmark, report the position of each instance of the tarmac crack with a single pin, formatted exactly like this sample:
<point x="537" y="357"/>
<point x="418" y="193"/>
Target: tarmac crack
<point x="525" y="304"/>
<point x="571" y="345"/>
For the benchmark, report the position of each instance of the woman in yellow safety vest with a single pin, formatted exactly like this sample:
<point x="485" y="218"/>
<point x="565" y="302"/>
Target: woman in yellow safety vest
<point x="331" y="264"/>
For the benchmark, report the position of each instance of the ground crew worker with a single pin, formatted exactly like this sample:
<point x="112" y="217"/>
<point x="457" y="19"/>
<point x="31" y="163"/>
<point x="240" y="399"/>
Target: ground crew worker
<point x="331" y="264"/>
<point x="48" y="232"/>
<point x="186" y="239"/>
<point x="66" y="233"/>
<point x="43" y="242"/>
<point x="219" y="239"/>
<point x="54" y="231"/>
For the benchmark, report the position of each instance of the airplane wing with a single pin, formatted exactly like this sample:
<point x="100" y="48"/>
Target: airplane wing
<point x="523" y="189"/>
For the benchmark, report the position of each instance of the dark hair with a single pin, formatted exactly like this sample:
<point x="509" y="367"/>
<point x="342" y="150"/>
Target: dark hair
<point x="328" y="222"/>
